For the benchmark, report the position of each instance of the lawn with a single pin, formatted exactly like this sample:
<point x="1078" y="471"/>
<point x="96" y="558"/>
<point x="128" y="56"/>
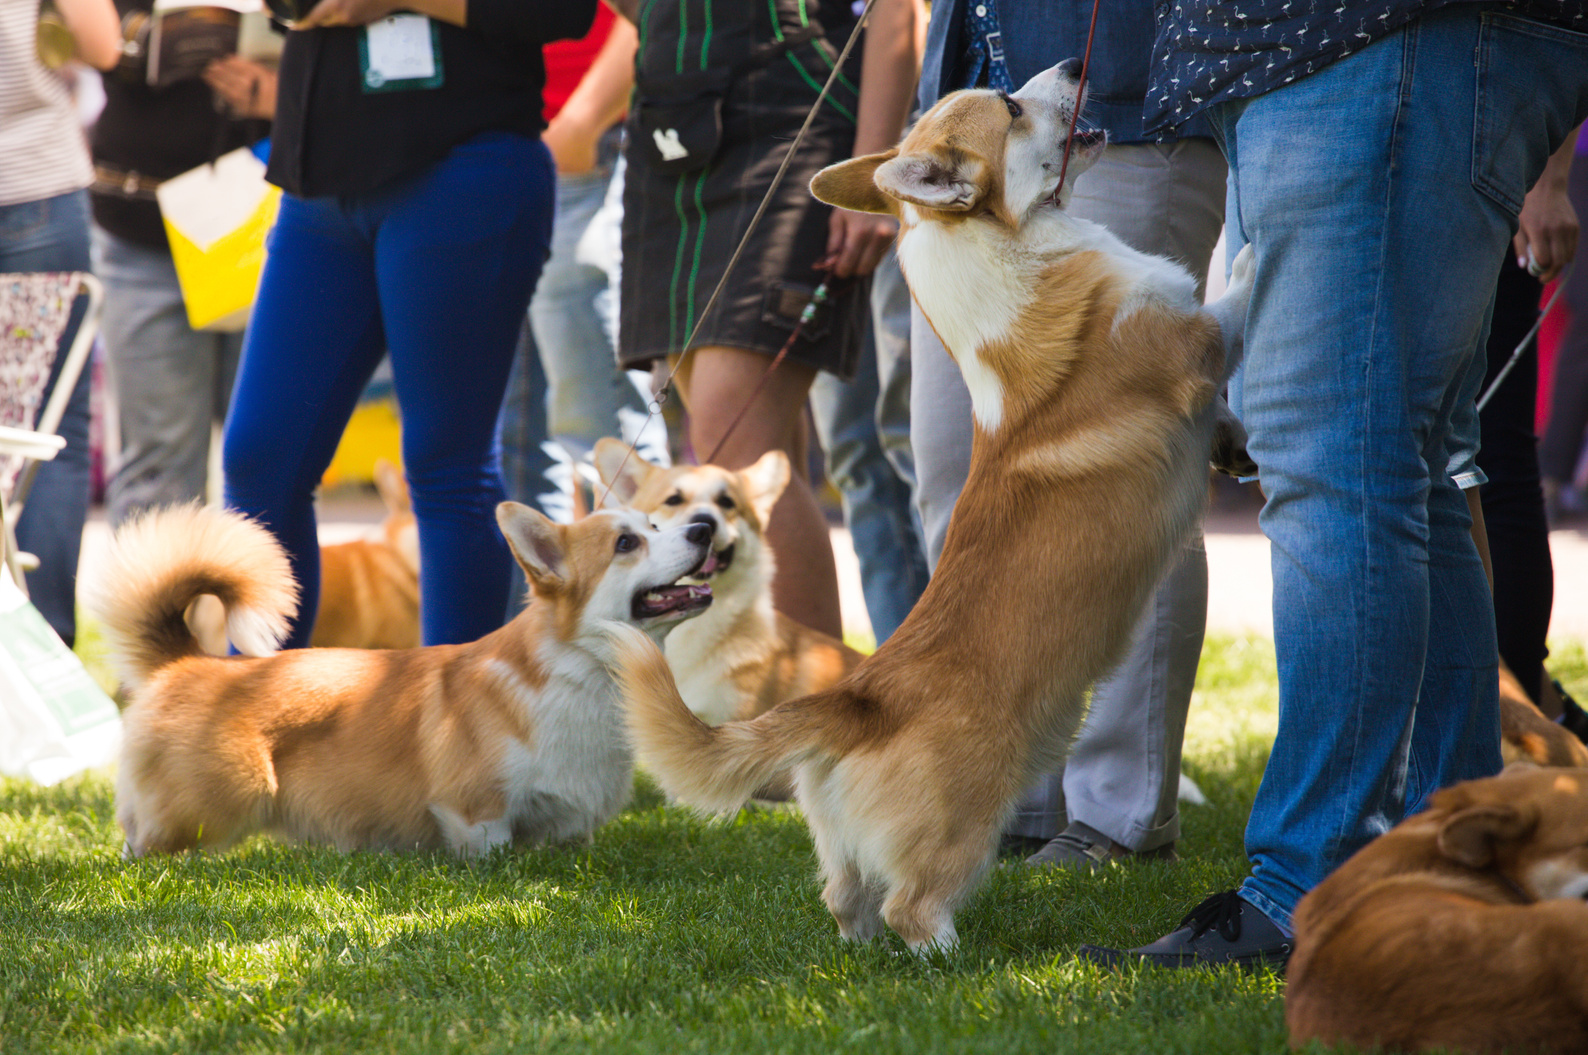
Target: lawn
<point x="665" y="934"/>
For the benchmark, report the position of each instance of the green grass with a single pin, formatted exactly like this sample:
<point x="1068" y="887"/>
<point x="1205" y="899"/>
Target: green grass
<point x="665" y="934"/>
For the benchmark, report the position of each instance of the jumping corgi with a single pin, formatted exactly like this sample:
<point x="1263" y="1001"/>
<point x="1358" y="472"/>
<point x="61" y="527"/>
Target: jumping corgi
<point x="516" y="737"/>
<point x="1093" y="371"/>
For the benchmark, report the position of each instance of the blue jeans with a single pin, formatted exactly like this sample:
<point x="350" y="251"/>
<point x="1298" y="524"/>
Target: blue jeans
<point x="574" y="314"/>
<point x="51" y="234"/>
<point x="172" y="382"/>
<point x="864" y="429"/>
<point x="1379" y="195"/>
<point x="438" y="269"/>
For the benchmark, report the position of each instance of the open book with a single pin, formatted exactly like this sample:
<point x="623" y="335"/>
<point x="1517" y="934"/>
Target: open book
<point x="187" y="35"/>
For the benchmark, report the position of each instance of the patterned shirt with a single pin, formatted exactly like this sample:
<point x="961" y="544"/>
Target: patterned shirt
<point x="1208" y="51"/>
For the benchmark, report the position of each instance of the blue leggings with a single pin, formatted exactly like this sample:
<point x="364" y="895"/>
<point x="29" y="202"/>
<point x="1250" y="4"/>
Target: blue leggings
<point x="437" y="269"/>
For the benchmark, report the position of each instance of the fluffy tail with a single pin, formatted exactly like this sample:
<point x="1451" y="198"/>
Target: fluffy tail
<point x="712" y="768"/>
<point x="161" y="561"/>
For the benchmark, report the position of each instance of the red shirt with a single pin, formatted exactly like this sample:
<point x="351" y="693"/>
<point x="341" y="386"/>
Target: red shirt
<point x="567" y="61"/>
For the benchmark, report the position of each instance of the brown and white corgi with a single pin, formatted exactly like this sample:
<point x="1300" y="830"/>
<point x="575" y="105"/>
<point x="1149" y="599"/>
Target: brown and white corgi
<point x="1093" y="371"/>
<point x="740" y="657"/>
<point x="516" y="737"/>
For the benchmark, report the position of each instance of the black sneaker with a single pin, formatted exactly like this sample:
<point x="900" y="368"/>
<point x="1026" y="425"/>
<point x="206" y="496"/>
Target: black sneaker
<point x="1224" y="929"/>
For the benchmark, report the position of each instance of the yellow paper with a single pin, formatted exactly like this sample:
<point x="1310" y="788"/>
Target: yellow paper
<point x="216" y="218"/>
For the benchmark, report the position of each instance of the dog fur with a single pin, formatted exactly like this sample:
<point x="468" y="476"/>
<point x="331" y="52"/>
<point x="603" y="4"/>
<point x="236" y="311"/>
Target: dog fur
<point x="1092" y="370"/>
<point x="1462" y="928"/>
<point x="740" y="657"/>
<point x="1527" y="736"/>
<point x="516" y="737"/>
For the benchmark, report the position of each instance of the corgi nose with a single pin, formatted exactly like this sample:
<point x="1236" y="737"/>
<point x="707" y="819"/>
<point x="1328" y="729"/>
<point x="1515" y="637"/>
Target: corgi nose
<point x="1070" y="69"/>
<point x="706" y="519"/>
<point x="698" y="533"/>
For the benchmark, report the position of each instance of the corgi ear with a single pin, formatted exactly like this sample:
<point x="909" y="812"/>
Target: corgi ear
<point x="945" y="183"/>
<point x="392" y="487"/>
<point x="623" y="472"/>
<point x="1472" y="835"/>
<point x="850" y="185"/>
<point x="765" y="481"/>
<point x="536" y="541"/>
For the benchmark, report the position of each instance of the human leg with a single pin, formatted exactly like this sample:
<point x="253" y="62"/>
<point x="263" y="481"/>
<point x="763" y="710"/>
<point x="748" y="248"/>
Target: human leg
<point x="314" y="339"/>
<point x="568" y="316"/>
<point x="457" y="253"/>
<point x="1365" y="522"/>
<point x="1123" y="777"/>
<point x="52" y="235"/>
<point x="172" y="382"/>
<point x="715" y="381"/>
<point x="877" y="501"/>
<point x="1513" y="499"/>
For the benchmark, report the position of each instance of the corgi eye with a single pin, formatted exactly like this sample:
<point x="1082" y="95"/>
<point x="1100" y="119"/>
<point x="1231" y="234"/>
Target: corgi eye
<point x="626" y="543"/>
<point x="725" y="503"/>
<point x="674" y="499"/>
<point x="1015" y="110"/>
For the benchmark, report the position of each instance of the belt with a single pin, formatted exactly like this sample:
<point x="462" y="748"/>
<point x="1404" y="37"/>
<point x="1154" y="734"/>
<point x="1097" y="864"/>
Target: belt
<point x="125" y="183"/>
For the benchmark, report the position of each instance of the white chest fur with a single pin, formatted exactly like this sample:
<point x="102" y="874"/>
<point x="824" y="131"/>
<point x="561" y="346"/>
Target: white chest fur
<point x="576" y="771"/>
<point x="974" y="280"/>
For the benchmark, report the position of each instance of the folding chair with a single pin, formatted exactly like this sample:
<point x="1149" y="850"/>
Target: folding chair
<point x="35" y="309"/>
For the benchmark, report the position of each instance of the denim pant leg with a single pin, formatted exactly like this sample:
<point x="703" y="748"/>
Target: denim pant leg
<point x="573" y="316"/>
<point x="1378" y="196"/>
<point x="51" y="234"/>
<point x="172" y="382"/>
<point x="878" y="501"/>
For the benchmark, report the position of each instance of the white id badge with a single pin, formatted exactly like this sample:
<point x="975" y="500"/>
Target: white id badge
<point x="400" y="53"/>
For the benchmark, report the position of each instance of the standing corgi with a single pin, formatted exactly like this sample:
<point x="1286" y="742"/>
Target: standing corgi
<point x="516" y="737"/>
<point x="1093" y="372"/>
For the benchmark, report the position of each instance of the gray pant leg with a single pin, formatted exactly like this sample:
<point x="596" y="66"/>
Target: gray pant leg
<point x="1123" y="775"/>
<point x="171" y="382"/>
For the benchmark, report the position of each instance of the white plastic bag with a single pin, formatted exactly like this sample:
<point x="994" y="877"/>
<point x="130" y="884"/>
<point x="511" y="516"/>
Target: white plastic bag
<point x="54" y="719"/>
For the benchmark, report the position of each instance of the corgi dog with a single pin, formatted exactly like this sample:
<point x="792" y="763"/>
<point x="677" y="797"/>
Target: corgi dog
<point x="1460" y="929"/>
<point x="740" y="657"/>
<point x="1093" y="371"/>
<point x="516" y="737"/>
<point x="369" y="587"/>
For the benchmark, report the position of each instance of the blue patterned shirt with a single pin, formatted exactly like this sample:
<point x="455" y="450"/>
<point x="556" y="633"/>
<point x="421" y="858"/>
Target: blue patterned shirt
<point x="1208" y="51"/>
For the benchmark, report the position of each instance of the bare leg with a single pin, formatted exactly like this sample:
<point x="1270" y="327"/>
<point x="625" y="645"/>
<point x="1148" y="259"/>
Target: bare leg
<point x="715" y="382"/>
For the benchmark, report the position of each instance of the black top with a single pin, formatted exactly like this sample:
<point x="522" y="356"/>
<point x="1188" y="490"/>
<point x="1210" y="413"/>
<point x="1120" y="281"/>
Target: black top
<point x="156" y="134"/>
<point x="333" y="137"/>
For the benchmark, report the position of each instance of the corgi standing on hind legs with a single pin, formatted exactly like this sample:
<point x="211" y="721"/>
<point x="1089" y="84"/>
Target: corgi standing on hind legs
<point x="1093" y="371"/>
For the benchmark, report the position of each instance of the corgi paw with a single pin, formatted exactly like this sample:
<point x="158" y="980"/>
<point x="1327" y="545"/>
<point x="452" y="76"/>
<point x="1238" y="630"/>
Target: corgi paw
<point x="1229" y="444"/>
<point x="1243" y="272"/>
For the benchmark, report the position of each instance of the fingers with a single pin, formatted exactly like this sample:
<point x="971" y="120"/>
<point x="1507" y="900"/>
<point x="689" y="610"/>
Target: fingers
<point x="856" y="243"/>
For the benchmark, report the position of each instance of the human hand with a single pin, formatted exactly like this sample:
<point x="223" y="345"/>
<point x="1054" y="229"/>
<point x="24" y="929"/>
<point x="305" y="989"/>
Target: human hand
<point x="347" y="13"/>
<point x="572" y="144"/>
<point x="856" y="242"/>
<point x="247" y="88"/>
<point x="1546" y="237"/>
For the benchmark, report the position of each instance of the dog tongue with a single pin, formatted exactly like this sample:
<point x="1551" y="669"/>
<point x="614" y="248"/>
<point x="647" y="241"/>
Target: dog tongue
<point x="710" y="565"/>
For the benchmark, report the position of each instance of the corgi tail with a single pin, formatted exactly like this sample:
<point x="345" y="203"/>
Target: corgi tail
<point x="712" y="768"/>
<point x="160" y="562"/>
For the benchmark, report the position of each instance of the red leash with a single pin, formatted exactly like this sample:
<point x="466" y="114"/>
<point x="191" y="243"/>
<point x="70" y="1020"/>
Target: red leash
<point x="1080" y="93"/>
